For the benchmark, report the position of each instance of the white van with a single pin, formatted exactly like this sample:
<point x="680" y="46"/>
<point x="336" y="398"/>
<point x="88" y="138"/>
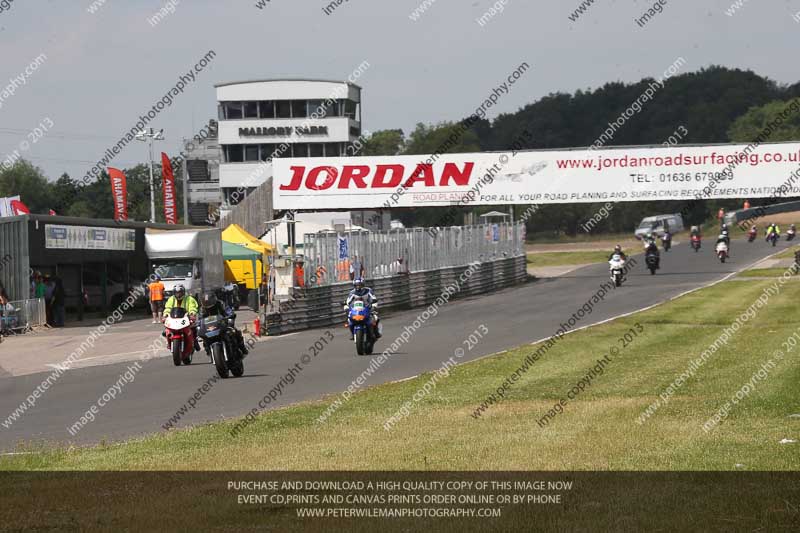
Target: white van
<point x="657" y="224"/>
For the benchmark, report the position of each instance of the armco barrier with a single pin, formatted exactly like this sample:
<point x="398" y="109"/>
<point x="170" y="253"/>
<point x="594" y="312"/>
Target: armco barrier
<point x="754" y="213"/>
<point x="322" y="306"/>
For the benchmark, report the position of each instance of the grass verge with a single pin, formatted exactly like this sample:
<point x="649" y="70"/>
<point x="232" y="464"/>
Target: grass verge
<point x="548" y="259"/>
<point x="598" y="430"/>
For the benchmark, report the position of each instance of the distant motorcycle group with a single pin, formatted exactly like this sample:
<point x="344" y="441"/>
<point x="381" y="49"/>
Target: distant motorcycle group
<point x="722" y="249"/>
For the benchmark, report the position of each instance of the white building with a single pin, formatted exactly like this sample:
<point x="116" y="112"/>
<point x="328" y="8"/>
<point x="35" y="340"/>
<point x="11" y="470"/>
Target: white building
<point x="262" y="119"/>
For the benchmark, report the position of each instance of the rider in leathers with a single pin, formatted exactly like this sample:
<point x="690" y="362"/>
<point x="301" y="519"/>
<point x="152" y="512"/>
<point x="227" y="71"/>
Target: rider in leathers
<point x="359" y="290"/>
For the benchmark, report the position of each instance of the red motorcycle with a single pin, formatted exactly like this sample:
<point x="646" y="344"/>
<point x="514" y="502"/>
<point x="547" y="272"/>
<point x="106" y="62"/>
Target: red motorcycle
<point x="752" y="234"/>
<point x="180" y="335"/>
<point x="696" y="242"/>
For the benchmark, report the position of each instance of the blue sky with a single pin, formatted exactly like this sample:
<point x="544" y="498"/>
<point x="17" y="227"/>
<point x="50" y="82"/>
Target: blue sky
<point x="105" y="69"/>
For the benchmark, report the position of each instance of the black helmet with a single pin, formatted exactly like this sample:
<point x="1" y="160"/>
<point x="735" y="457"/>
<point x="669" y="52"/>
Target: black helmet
<point x="618" y="248"/>
<point x="180" y="291"/>
<point x="358" y="283"/>
<point x="209" y="300"/>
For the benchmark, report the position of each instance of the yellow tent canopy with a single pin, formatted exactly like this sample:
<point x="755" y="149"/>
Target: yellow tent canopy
<point x="241" y="271"/>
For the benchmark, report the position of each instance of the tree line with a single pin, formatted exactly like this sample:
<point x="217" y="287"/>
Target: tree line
<point x="712" y="105"/>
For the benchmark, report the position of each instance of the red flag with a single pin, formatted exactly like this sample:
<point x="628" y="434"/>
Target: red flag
<point x="18" y="208"/>
<point x="119" y="191"/>
<point x="170" y="208"/>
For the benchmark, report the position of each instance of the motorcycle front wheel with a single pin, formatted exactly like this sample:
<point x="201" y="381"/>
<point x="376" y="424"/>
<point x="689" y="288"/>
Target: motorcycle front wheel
<point x="176" y="352"/>
<point x="360" y="342"/>
<point x="219" y="359"/>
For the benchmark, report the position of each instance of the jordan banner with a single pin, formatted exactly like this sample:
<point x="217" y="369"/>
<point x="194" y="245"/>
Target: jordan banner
<point x="170" y="203"/>
<point x="119" y="191"/>
<point x="625" y="174"/>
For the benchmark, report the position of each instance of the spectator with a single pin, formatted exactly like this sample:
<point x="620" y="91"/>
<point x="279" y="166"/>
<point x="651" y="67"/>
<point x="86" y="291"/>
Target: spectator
<point x="58" y="303"/>
<point x="262" y="289"/>
<point x="41" y="288"/>
<point x="156" y="290"/>
<point x="50" y="287"/>
<point x="4" y="299"/>
<point x="356" y="268"/>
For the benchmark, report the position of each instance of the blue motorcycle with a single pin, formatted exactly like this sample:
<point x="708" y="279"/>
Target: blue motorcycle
<point x="359" y="320"/>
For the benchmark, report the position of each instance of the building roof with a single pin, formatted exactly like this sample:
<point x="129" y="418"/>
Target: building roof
<point x="285" y="79"/>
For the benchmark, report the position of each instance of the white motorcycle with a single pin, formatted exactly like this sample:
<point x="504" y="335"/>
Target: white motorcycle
<point x="722" y="251"/>
<point x="616" y="264"/>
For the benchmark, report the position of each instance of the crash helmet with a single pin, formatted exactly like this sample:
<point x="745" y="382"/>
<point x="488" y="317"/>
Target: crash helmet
<point x="792" y="226"/>
<point x="724" y="227"/>
<point x="209" y="300"/>
<point x="617" y="249"/>
<point x="180" y="292"/>
<point x="358" y="283"/>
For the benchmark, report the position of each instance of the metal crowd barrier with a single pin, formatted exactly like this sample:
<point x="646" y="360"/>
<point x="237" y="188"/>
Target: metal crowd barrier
<point x="329" y="257"/>
<point x="22" y="315"/>
<point x="321" y="306"/>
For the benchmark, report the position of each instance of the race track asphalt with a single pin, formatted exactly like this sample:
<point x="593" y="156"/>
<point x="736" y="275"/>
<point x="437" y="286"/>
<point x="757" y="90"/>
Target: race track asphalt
<point x="513" y="316"/>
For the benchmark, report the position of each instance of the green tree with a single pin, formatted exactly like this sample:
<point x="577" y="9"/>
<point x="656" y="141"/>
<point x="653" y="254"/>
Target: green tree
<point x="27" y="181"/>
<point x="749" y="126"/>
<point x="384" y="142"/>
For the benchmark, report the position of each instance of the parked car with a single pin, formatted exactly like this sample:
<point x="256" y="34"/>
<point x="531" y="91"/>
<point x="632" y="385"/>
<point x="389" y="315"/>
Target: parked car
<point x="658" y="223"/>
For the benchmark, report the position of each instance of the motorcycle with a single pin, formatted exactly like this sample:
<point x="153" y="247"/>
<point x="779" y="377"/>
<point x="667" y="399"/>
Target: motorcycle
<point x="790" y="235"/>
<point x="666" y="241"/>
<point x="180" y="338"/>
<point x="359" y="320"/>
<point x="230" y="295"/>
<point x="695" y="243"/>
<point x="615" y="265"/>
<point x="751" y="236"/>
<point x="773" y="238"/>
<point x="219" y="340"/>
<point x="652" y="260"/>
<point x="722" y="251"/>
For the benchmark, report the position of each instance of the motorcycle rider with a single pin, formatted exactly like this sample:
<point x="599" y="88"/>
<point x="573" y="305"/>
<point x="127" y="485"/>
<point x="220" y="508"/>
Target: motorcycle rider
<point x="651" y="248"/>
<point x="773" y="228"/>
<point x="618" y="250"/>
<point x="695" y="231"/>
<point x="360" y="290"/>
<point x="792" y="230"/>
<point x="181" y="300"/>
<point x="213" y="307"/>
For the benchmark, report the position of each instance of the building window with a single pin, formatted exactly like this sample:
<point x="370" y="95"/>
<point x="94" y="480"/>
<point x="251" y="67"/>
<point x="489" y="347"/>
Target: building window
<point x="251" y="152"/>
<point x="351" y="109"/>
<point x="234" y="153"/>
<point x="315" y="108"/>
<point x="300" y="150"/>
<point x="266" y="109"/>
<point x="332" y="150"/>
<point x="267" y="150"/>
<point x="332" y="109"/>
<point x="299" y="109"/>
<point x="250" y="109"/>
<point x="316" y="150"/>
<point x="233" y="110"/>
<point x="283" y="109"/>
<point x="282" y="152"/>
